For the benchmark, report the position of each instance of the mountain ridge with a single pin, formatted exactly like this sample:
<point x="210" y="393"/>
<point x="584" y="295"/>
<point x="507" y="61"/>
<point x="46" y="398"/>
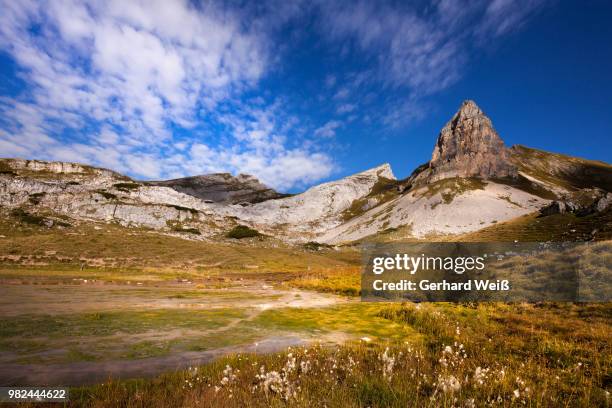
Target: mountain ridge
<point x="472" y="181"/>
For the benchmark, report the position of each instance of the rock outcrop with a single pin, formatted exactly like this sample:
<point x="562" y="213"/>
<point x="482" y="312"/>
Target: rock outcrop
<point x="468" y="146"/>
<point x="52" y="171"/>
<point x="222" y="188"/>
<point x="597" y="202"/>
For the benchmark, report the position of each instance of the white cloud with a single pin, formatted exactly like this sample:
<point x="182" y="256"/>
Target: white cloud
<point x="504" y="16"/>
<point x="425" y="49"/>
<point x="328" y="130"/>
<point x="330" y="81"/>
<point x="155" y="88"/>
<point x="111" y="82"/>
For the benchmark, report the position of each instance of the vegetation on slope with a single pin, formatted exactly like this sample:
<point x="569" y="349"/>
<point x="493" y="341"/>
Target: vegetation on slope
<point x="451" y="188"/>
<point x="532" y="228"/>
<point x="383" y="191"/>
<point x="243" y="231"/>
<point x="561" y="170"/>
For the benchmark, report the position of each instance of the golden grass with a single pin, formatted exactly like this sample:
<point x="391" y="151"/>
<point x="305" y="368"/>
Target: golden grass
<point x="531" y="228"/>
<point x="471" y="355"/>
<point x="341" y="280"/>
<point x="113" y="246"/>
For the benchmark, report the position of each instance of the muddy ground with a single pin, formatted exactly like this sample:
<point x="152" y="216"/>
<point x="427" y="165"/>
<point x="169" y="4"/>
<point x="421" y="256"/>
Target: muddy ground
<point x="86" y="331"/>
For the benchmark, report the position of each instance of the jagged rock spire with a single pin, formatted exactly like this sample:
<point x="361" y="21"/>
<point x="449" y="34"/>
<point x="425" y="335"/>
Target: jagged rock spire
<point x="469" y="146"/>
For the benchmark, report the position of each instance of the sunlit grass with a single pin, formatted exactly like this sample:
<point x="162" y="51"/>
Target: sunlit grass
<point x="480" y="355"/>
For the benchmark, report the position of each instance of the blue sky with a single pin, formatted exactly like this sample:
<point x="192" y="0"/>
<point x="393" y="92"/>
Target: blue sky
<point x="296" y="93"/>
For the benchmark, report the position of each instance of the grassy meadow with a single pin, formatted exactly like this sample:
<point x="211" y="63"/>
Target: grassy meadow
<point x="100" y="295"/>
<point x="449" y="355"/>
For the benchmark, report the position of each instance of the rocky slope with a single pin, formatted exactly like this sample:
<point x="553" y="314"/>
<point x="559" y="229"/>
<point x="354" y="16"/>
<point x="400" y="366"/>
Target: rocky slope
<point x="471" y="182"/>
<point x="449" y="206"/>
<point x="222" y="188"/>
<point x="37" y="190"/>
<point x="90" y="194"/>
<point x="316" y="210"/>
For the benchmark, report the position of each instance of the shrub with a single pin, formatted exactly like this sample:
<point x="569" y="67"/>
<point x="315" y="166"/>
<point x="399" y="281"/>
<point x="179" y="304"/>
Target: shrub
<point x="6" y="169"/>
<point x="242" y="231"/>
<point x="27" y="218"/>
<point x="316" y="246"/>
<point x="181" y="208"/>
<point x="126" y="187"/>
<point x="107" y="195"/>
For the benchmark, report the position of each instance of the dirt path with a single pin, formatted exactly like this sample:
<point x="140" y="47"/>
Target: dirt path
<point x="96" y="297"/>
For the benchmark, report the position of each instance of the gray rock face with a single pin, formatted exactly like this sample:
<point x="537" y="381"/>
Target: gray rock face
<point x="468" y="146"/>
<point x="222" y="188"/>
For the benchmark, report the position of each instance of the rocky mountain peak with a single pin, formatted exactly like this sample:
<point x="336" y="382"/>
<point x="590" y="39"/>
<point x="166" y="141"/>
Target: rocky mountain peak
<point x="469" y="146"/>
<point x="469" y="109"/>
<point x="384" y="170"/>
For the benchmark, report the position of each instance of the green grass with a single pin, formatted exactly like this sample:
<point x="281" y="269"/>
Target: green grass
<point x="27" y="218"/>
<point x="558" y="227"/>
<point x="146" y="349"/>
<point x="178" y="226"/>
<point x="118" y="250"/>
<point x="112" y="322"/>
<point x="356" y="319"/>
<point x="342" y="281"/>
<point x="522" y="183"/>
<point x="107" y="335"/>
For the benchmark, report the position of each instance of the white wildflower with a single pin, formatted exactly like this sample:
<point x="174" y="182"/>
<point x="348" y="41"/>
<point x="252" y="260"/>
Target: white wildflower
<point x="388" y="364"/>
<point x="228" y="376"/>
<point x="480" y="375"/>
<point x="449" y="383"/>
